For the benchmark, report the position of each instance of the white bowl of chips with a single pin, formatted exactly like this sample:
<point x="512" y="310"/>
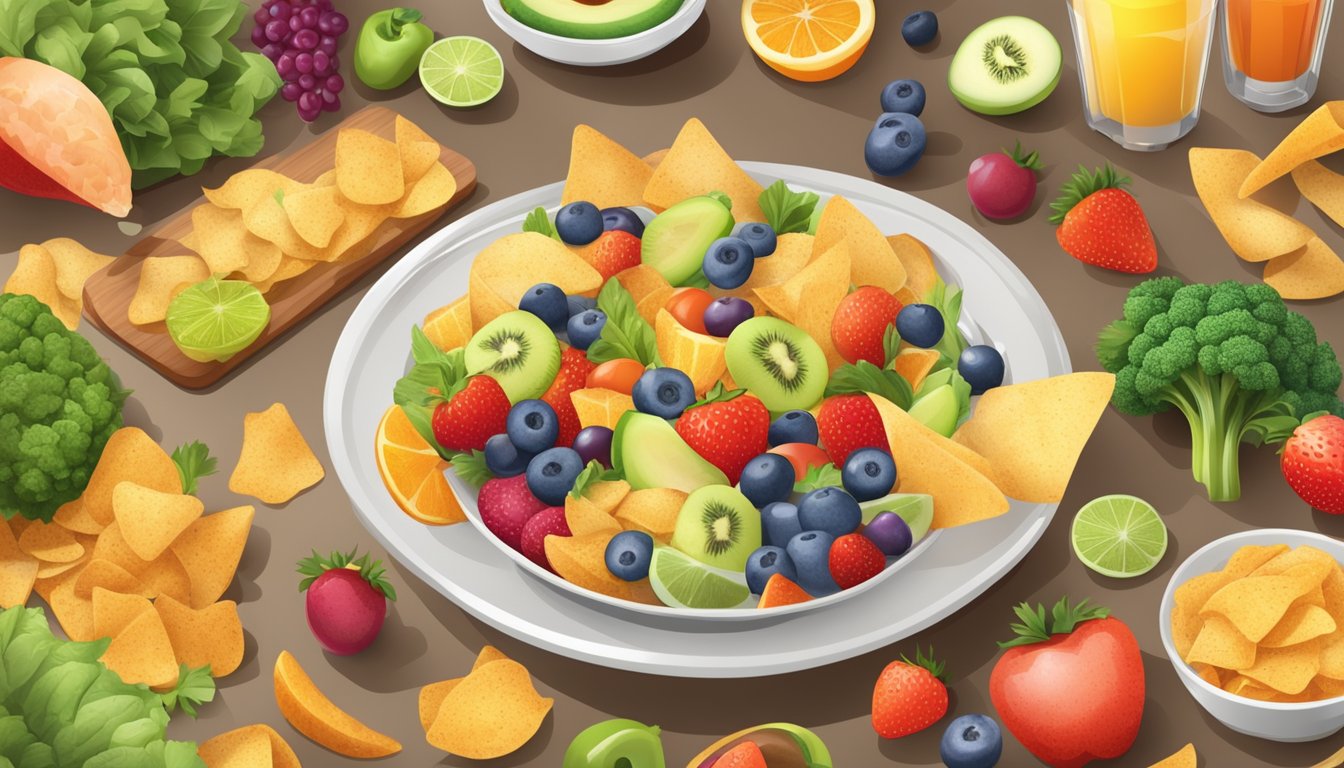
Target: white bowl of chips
<point x="601" y="52"/>
<point x="1285" y="588"/>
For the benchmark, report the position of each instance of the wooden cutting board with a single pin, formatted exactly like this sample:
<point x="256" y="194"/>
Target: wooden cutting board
<point x="108" y="293"/>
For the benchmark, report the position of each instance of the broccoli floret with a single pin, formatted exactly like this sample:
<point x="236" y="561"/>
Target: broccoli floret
<point x="59" y="404"/>
<point x="1231" y="357"/>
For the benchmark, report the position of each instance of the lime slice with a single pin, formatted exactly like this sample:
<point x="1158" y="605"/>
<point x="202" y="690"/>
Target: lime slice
<point x="1119" y="536"/>
<point x="915" y="508"/>
<point x="684" y="582"/>
<point x="462" y="71"/>
<point x="216" y="319"/>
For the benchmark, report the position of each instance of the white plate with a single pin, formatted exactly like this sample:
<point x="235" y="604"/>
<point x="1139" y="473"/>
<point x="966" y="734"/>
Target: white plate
<point x="1001" y="308"/>
<point x="597" y="53"/>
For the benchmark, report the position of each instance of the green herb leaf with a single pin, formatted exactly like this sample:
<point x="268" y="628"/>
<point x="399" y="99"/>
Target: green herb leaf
<point x="471" y="467"/>
<point x="864" y="377"/>
<point x="193" y="462"/>
<point x="1083" y="185"/>
<point x="540" y="222"/>
<point x="947" y="300"/>
<point x="1034" y="627"/>
<point x="194" y="688"/>
<point x="891" y="345"/>
<point x="315" y="565"/>
<point x="823" y="476"/>
<point x="936" y="668"/>
<point x="434" y="378"/>
<point x="785" y="210"/>
<point x="594" y="472"/>
<point x="626" y="333"/>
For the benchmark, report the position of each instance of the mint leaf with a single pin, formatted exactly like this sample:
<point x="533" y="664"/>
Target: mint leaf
<point x="785" y="210"/>
<point x="540" y="222"/>
<point x="626" y="333"/>
<point x="864" y="377"/>
<point x="593" y="473"/>
<point x="823" y="476"/>
<point x="947" y="300"/>
<point x="471" y="467"/>
<point x="193" y="462"/>
<point x="891" y="345"/>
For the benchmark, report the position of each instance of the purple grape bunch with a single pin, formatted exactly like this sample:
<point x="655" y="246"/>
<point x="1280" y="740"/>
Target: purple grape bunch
<point x="300" y="38"/>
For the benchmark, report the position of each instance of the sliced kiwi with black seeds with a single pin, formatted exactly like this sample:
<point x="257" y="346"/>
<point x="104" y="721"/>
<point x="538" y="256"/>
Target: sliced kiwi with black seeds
<point x="778" y="363"/>
<point x="718" y="526"/>
<point x="517" y="350"/>
<point x="1006" y="65"/>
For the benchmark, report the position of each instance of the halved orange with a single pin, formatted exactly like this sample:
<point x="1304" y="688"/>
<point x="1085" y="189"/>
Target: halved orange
<point x="808" y="40"/>
<point x="449" y="327"/>
<point x="413" y="472"/>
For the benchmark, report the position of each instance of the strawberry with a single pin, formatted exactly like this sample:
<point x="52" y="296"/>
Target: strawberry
<point x="1101" y="224"/>
<point x="850" y="422"/>
<point x="573" y="374"/>
<point x="854" y="559"/>
<point x="548" y="522"/>
<point x="1313" y="463"/>
<point x="345" y="600"/>
<point x="506" y="506"/>
<point x="861" y="322"/>
<point x="472" y="415"/>
<point x="613" y="251"/>
<point x="909" y="696"/>
<point x="727" y="428"/>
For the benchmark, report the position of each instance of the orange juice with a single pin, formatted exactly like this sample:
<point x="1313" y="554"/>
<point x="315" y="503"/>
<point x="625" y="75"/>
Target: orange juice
<point x="1273" y="40"/>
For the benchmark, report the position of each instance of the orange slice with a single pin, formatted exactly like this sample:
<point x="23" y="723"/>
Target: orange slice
<point x="808" y="40"/>
<point x="413" y="472"/>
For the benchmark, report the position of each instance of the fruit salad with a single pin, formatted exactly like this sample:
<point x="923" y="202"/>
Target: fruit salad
<point x="700" y="404"/>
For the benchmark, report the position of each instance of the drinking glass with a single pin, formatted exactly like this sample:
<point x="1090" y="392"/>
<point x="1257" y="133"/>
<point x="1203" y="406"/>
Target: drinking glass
<point x="1272" y="50"/>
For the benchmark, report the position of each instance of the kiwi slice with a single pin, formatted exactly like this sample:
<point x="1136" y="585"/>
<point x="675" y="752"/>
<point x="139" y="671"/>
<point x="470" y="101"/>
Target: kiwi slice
<point x="518" y="351"/>
<point x="778" y="363"/>
<point x="1006" y="65"/>
<point x="718" y="526"/>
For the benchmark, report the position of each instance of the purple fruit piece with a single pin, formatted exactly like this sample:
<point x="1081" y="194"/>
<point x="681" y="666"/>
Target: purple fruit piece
<point x="594" y="444"/>
<point x="506" y="505"/>
<point x="890" y="533"/>
<point x="725" y="314"/>
<point x="548" y="522"/>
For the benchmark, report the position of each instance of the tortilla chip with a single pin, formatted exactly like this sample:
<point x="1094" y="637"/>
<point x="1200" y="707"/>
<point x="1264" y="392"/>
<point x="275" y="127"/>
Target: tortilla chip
<point x="581" y="560"/>
<point x="1255" y="604"/>
<point x="1320" y="134"/>
<point x="75" y="264"/>
<point x="914" y="364"/>
<point x="1185" y="758"/>
<point x="276" y="463"/>
<point x="368" y="168"/>
<point x="269" y="226"/>
<point x="132" y="455"/>
<point x="432" y="191"/>
<point x="107" y="575"/>
<point x="1221" y="645"/>
<point x="652" y="510"/>
<point x="211" y="637"/>
<point x="35" y="275"/>
<point x="1315" y="272"/>
<point x="1323" y="187"/>
<point x="697" y="165"/>
<point x="641" y="281"/>
<point x="209" y="551"/>
<point x="314" y="214"/>
<point x="491" y="713"/>
<point x="920" y="273"/>
<point x="114" y="611"/>
<point x="508" y="267"/>
<point x="1188" y="599"/>
<point x="792" y="253"/>
<point x="1301" y="623"/>
<point x="583" y="517"/>
<point x="221" y="239"/>
<point x="833" y="267"/>
<point x="603" y="172"/>
<point x="74" y="613"/>
<point x="287" y="270"/>
<point x="1254" y="231"/>
<point x="872" y="258"/>
<point x="1033" y="433"/>
<point x="607" y="495"/>
<point x="1286" y="670"/>
<point x="418" y="150"/>
<point x="141" y="653"/>
<point x="18" y="571"/>
<point x="162" y="278"/>
<point x="50" y="543"/>
<point x="252" y="746"/>
<point x="827" y="282"/>
<point x="150" y="520"/>
<point x="431" y="700"/>
<point x="246" y="188"/>
<point x="166" y="577"/>
<point x="1287" y="559"/>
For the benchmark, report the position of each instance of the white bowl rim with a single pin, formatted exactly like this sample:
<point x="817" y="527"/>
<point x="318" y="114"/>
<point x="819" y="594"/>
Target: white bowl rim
<point x="687" y="6"/>
<point x="1168" y="600"/>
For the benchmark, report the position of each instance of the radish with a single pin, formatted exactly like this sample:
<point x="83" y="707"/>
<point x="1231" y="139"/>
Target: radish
<point x="346" y="600"/>
<point x="1002" y="185"/>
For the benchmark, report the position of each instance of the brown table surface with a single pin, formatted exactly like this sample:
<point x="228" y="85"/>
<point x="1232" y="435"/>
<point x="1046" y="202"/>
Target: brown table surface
<point x="521" y="140"/>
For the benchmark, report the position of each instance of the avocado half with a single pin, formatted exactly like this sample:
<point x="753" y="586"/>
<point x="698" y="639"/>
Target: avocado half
<point x="784" y="745"/>
<point x="591" y="20"/>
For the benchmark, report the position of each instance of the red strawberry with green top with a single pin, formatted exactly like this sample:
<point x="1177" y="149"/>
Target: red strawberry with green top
<point x="471" y="415"/>
<point x="1101" y="224"/>
<point x="345" y="600"/>
<point x="909" y="696"/>
<point x="847" y="423"/>
<point x="573" y="374"/>
<point x="854" y="559"/>
<point x="727" y="428"/>
<point x="861" y="322"/>
<point x="1313" y="463"/>
<point x="614" y="251"/>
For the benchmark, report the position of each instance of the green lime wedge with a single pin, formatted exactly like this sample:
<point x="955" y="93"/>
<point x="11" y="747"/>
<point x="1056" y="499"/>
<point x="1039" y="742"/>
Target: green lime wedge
<point x="1119" y="536"/>
<point x="216" y="319"/>
<point x="462" y="71"/>
<point x="915" y="508"/>
<point x="684" y="582"/>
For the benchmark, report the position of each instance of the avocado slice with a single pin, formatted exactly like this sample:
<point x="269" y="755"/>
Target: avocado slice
<point x="649" y="453"/>
<point x="916" y="509"/>
<point x="591" y="21"/>
<point x="675" y="241"/>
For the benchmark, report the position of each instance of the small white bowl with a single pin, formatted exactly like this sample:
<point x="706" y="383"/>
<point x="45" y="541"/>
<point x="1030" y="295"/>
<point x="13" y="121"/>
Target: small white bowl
<point x="1307" y="721"/>
<point x="597" y="53"/>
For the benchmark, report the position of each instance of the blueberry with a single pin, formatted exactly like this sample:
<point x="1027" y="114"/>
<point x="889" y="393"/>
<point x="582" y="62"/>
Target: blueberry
<point x="578" y="223"/>
<point x="920" y="28"/>
<point x="629" y="554"/>
<point x="766" y="479"/>
<point x="728" y="262"/>
<point x="579" y="304"/>
<point x="890" y="533"/>
<point x="920" y="325"/>
<point x="810" y="552"/>
<point x="547" y="302"/>
<point x="761" y="238"/>
<point x="594" y="444"/>
<point x="972" y="741"/>
<point x="904" y="96"/>
<point x="766" y="562"/>
<point x="586" y="327"/>
<point x="794" y="427"/>
<point x="895" y="144"/>
<point x="869" y="474"/>
<point x="725" y="314"/>
<point x="503" y="459"/>
<point x="779" y="523"/>
<point x="532" y="426"/>
<point x="622" y="219"/>
<point x="551" y="474"/>
<point x="982" y="367"/>
<point x="664" y="392"/>
<point x="831" y="510"/>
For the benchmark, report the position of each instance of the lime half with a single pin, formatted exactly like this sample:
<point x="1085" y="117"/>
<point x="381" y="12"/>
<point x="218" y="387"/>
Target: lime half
<point x="1119" y="536"/>
<point x="216" y="319"/>
<point x="684" y="582"/>
<point x="462" y="71"/>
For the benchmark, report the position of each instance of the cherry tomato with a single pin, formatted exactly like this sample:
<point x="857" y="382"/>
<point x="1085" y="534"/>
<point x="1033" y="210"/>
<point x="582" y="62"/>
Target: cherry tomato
<point x="619" y="375"/>
<point x="803" y="456"/>
<point x="687" y="306"/>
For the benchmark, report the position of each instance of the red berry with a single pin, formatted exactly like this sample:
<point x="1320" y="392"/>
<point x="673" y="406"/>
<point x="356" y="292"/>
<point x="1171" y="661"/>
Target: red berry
<point x="548" y="522"/>
<point x="472" y="416"/>
<point x="506" y="506"/>
<point x="908" y="697"/>
<point x="855" y="559"/>
<point x="614" y="251"/>
<point x="728" y="430"/>
<point x="847" y="423"/>
<point x="573" y="374"/>
<point x="1313" y="463"/>
<point x="860" y="323"/>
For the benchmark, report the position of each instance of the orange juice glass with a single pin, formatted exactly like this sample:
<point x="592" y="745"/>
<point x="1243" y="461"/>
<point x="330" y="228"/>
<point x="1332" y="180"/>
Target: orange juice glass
<point x="1142" y="65"/>
<point x="1272" y="50"/>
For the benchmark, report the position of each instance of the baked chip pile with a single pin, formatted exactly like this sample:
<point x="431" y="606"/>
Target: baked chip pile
<point x="54" y="273"/>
